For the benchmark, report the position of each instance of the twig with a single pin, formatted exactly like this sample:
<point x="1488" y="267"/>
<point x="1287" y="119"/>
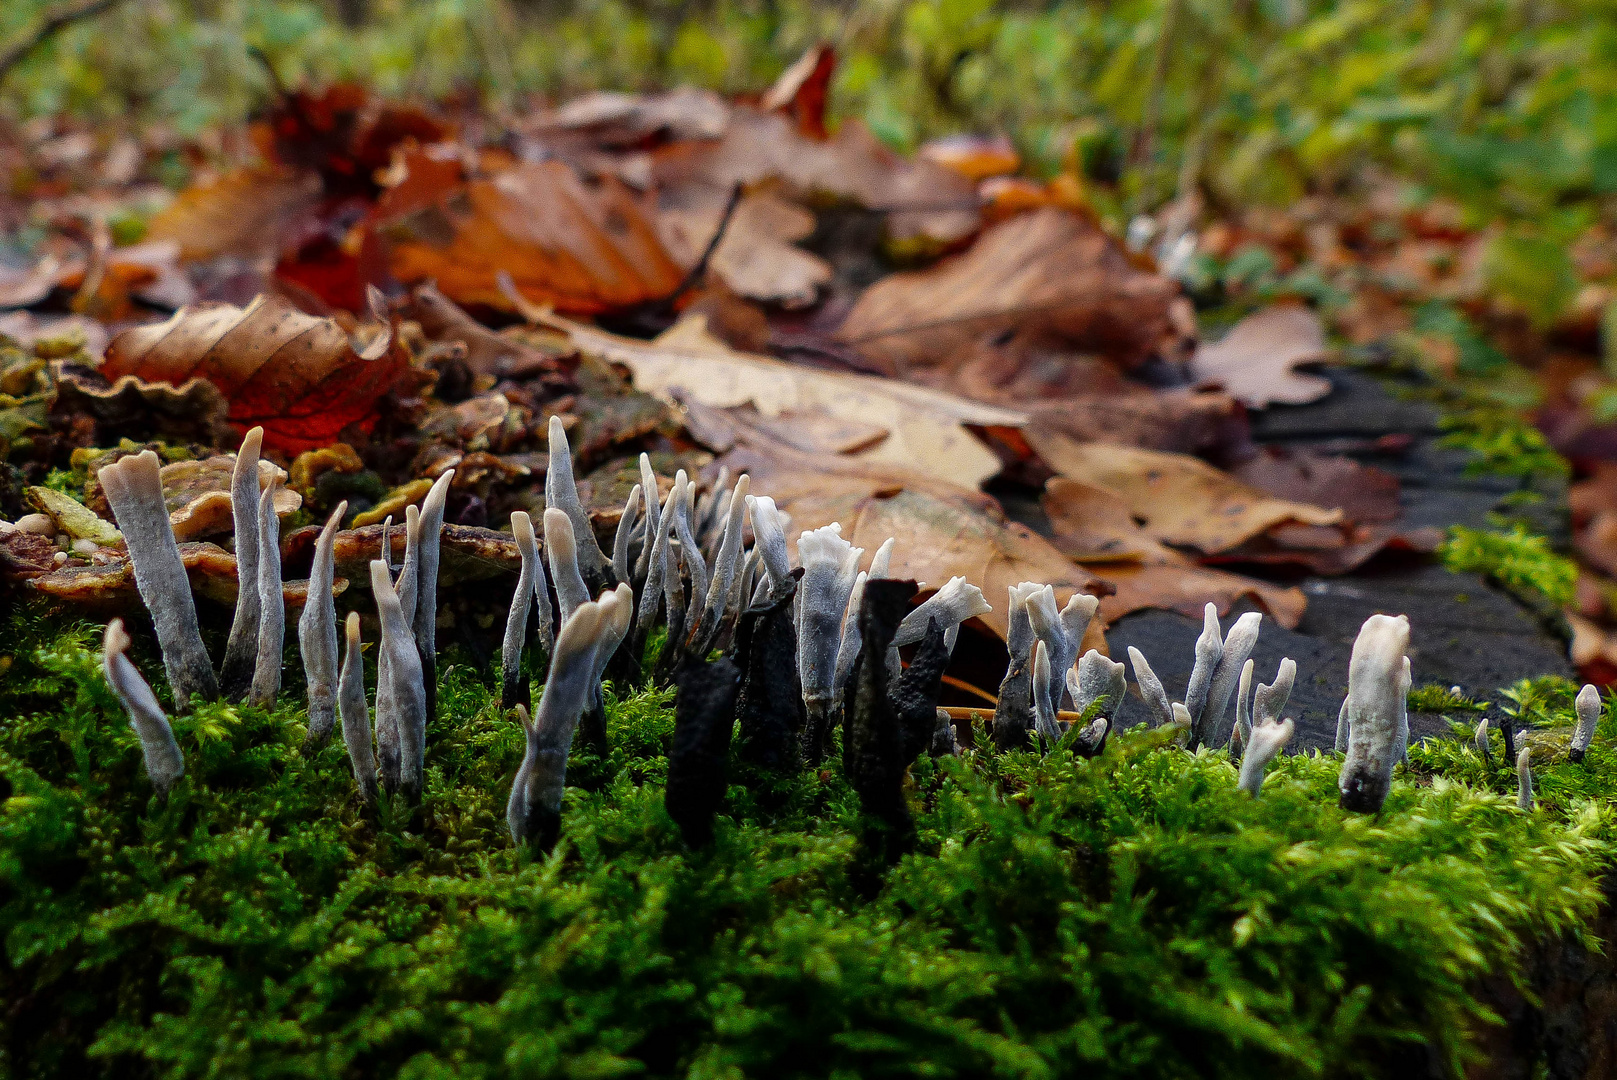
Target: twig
<point x="698" y="271"/>
<point x="53" y="21"/>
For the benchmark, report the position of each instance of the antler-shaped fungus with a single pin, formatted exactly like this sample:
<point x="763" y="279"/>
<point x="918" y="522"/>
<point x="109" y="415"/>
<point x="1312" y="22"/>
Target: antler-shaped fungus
<point x="241" y="651"/>
<point x="164" y="762"/>
<point x="317" y="633"/>
<point x="134" y="489"/>
<point x="1374" y="712"/>
<point x="1156" y="698"/>
<point x="512" y="687"/>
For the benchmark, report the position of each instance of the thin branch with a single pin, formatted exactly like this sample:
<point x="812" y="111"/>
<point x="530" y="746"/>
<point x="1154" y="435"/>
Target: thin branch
<point x="53" y="21"/>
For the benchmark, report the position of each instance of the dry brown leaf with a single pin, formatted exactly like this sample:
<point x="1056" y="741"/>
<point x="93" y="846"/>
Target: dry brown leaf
<point x="927" y="428"/>
<point x="611" y="118"/>
<point x="579" y="247"/>
<point x="248" y="213"/>
<point x="756" y="257"/>
<point x="1048" y="275"/>
<point x="1179" y="499"/>
<point x="1365" y="494"/>
<point x="303" y="378"/>
<point x="929" y="206"/>
<point x="1255" y="361"/>
<point x="487" y="353"/>
<point x="1095" y="527"/>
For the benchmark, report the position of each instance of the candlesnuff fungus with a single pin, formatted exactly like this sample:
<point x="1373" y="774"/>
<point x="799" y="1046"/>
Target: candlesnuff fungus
<point x="1013" y="714"/>
<point x="652" y="590"/>
<point x="1099" y="679"/>
<point x="512" y="687"/>
<point x="1588" y="708"/>
<point x="830" y="567"/>
<point x="1482" y="742"/>
<point x="164" y="762"/>
<point x="1062" y="632"/>
<point x="317" y="633"/>
<point x="625" y="535"/>
<point x="1243" y="714"/>
<point x="690" y="551"/>
<point x="561" y="493"/>
<point x="561" y="549"/>
<point x="944" y="742"/>
<point x="424" y="622"/>
<point x="401" y="700"/>
<point x="769" y="538"/>
<point x="770" y="709"/>
<point x="1268" y="702"/>
<point x="271" y="605"/>
<point x="1265" y="742"/>
<point x="877" y="747"/>
<point x="704" y="715"/>
<point x="408" y="580"/>
<point x="913" y="696"/>
<point x="1524" y="778"/>
<point x="1155" y="697"/>
<point x="1237" y="646"/>
<point x="726" y="565"/>
<point x="650" y="493"/>
<point x="1374" y="712"/>
<point x="241" y="651"/>
<point x="617" y="615"/>
<point x="134" y="489"/>
<point x="950" y="606"/>
<point x="848" y="647"/>
<point x="1209" y="650"/>
<point x="356" y="717"/>
<point x="1044" y="711"/>
<point x="533" y="812"/>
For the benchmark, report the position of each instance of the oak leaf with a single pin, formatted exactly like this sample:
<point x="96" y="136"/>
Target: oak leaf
<point x="1255" y="361"/>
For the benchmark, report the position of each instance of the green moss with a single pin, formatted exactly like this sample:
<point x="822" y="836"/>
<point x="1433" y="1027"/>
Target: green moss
<point x="1519" y="561"/>
<point x="1134" y="915"/>
<point x="1440" y="699"/>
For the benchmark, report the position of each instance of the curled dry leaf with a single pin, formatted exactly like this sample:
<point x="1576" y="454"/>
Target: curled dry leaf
<point x="1180" y="499"/>
<point x="1094" y="526"/>
<point x="1256" y="360"/>
<point x="926" y="428"/>
<point x="247" y="213"/>
<point x="1049" y="274"/>
<point x="756" y="257"/>
<point x="579" y="247"/>
<point x="303" y="378"/>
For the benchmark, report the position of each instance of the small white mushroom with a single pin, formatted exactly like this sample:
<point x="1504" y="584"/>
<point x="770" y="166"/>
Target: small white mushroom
<point x="1156" y="698"/>
<point x="561" y="493"/>
<point x="1243" y="714"/>
<point x="650" y="495"/>
<point x="401" y="700"/>
<point x="625" y="533"/>
<point x="1265" y="742"/>
<point x="271" y="606"/>
<point x="1482" y="742"/>
<point x="1209" y="650"/>
<point x="1044" y="710"/>
<point x="516" y="621"/>
<point x="1524" y="778"/>
<point x="1377" y="725"/>
<point x="1099" y="679"/>
<point x="561" y="550"/>
<point x="241" y="651"/>
<point x="317" y="633"/>
<point x="134" y="489"/>
<point x="533" y="812"/>
<point x="356" y="717"/>
<point x="164" y="762"/>
<point x="1588" y="708"/>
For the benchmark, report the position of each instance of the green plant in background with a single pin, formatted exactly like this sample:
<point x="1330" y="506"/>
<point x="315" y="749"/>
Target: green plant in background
<point x="1436" y="698"/>
<point x="1135" y="913"/>
<point x="1521" y="562"/>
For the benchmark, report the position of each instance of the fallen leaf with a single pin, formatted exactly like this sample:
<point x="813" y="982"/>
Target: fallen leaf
<point x="1255" y="361"/>
<point x="927" y="428"/>
<point x="579" y="247"/>
<point x="248" y="213"/>
<point x="1180" y="420"/>
<point x="1178" y="499"/>
<point x="1095" y="527"/>
<point x="303" y="378"/>
<point x="928" y="207"/>
<point x="803" y="89"/>
<point x="1048" y="274"/>
<point x="487" y="353"/>
<point x="756" y="257"/>
<point x="976" y="157"/>
<point x="617" y="119"/>
<point x="1365" y="494"/>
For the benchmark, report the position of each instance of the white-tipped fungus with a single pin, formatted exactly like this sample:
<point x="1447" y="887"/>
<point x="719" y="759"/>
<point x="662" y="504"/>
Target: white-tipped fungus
<point x="561" y="493"/>
<point x="1209" y="650"/>
<point x="829" y="572"/>
<point x="648" y="531"/>
<point x="164" y="762"/>
<point x="516" y="620"/>
<point x="1264" y="743"/>
<point x="1155" y="697"/>
<point x="1268" y="702"/>
<point x="1044" y="710"/>
<point x="950" y="606"/>
<point x="1375" y="712"/>
<point x="241" y="651"/>
<point x="1243" y="713"/>
<point x="726" y="564"/>
<point x="134" y="489"/>
<point x="1099" y="679"/>
<point x="271" y="605"/>
<point x="424" y="623"/>
<point x="409" y="580"/>
<point x="561" y="550"/>
<point x="654" y="586"/>
<point x="1233" y="653"/>
<point x="534" y="809"/>
<point x="1524" y="779"/>
<point x="317" y="633"/>
<point x="769" y="537"/>
<point x="625" y="533"/>
<point x="401" y="700"/>
<point x="1482" y="742"/>
<point x="356" y="717"/>
<point x="848" y="647"/>
<point x="1588" y="709"/>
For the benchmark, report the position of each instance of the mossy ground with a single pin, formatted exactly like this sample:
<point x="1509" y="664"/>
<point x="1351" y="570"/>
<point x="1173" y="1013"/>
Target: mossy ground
<point x="1133" y="915"/>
